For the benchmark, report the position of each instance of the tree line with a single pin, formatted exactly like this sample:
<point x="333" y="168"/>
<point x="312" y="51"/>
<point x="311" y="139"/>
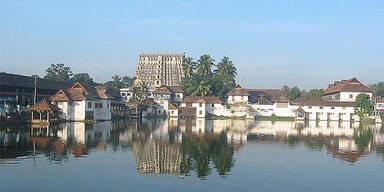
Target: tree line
<point x="204" y="77"/>
<point x="61" y="72"/>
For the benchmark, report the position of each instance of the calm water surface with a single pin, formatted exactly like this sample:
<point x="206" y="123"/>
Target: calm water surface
<point x="193" y="155"/>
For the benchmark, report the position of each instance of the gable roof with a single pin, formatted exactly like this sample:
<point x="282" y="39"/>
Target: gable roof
<point x="61" y="96"/>
<point x="265" y="95"/>
<point x="168" y="90"/>
<point x="163" y="90"/>
<point x="176" y="89"/>
<point x="80" y="92"/>
<point x="44" y="105"/>
<point x="238" y="91"/>
<point x="350" y="85"/>
<point x="171" y="107"/>
<point x="201" y="99"/>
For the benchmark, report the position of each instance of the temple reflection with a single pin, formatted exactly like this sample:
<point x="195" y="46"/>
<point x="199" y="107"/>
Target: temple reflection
<point x="184" y="147"/>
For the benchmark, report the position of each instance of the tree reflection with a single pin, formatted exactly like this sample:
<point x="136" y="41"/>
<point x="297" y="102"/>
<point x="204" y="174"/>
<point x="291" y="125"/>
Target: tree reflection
<point x="363" y="136"/>
<point x="199" y="151"/>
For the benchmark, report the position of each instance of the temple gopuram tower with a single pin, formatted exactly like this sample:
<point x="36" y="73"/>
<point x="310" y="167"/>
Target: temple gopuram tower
<point x="155" y="69"/>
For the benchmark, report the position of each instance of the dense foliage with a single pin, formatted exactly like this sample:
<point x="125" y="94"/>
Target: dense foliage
<point x="293" y="93"/>
<point x="62" y="72"/>
<point x="58" y="72"/>
<point x="364" y="105"/>
<point x="202" y="80"/>
<point x="118" y="82"/>
<point x="200" y="152"/>
<point x="83" y="78"/>
<point x="378" y="89"/>
<point x="314" y="94"/>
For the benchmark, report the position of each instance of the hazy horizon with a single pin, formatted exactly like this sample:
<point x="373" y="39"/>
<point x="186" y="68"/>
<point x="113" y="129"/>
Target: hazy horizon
<point x="272" y="43"/>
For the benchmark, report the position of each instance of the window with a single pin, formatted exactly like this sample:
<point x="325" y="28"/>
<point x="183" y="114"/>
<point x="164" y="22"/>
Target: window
<point x="89" y="105"/>
<point x="108" y="105"/>
<point x="200" y="112"/>
<point x="310" y="107"/>
<point x="122" y="94"/>
<point x="96" y="105"/>
<point x="200" y="104"/>
<point x="321" y="107"/>
<point x="157" y="82"/>
<point x="213" y="105"/>
<point x="332" y="107"/>
<point x="178" y="95"/>
<point x="350" y="96"/>
<point x="172" y="112"/>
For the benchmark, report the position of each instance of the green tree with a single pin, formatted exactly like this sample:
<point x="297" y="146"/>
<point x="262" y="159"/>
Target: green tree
<point x="293" y="93"/>
<point x="83" y="78"/>
<point x="224" y="79"/>
<point x="58" y="72"/>
<point x="314" y="94"/>
<point x="204" y="66"/>
<point x="115" y="83"/>
<point x="189" y="67"/>
<point x="226" y="67"/>
<point x="127" y="81"/>
<point x="285" y="88"/>
<point x="378" y="88"/>
<point x="203" y="89"/>
<point x="364" y="106"/>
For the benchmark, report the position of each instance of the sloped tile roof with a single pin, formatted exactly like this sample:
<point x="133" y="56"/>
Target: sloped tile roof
<point x="81" y="92"/>
<point x="176" y="89"/>
<point x="238" y="91"/>
<point x="171" y="107"/>
<point x="163" y="90"/>
<point x="350" y="85"/>
<point x="44" y="105"/>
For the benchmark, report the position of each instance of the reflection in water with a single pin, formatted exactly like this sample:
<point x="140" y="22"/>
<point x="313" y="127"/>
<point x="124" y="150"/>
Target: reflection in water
<point x="186" y="147"/>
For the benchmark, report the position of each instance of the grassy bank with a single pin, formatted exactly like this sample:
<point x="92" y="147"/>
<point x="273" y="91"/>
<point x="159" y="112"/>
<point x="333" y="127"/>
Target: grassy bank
<point x="274" y="118"/>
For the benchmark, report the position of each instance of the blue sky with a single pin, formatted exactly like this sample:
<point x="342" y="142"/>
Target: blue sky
<point x="272" y="42"/>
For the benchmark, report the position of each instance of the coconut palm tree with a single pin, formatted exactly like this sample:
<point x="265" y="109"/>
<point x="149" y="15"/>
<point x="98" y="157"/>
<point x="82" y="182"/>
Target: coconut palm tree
<point x="226" y="67"/>
<point x="188" y="66"/>
<point x="204" y="66"/>
<point x="203" y="89"/>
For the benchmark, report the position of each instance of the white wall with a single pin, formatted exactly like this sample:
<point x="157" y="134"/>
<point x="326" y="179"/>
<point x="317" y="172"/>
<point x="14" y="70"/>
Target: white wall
<point x="237" y="99"/>
<point x="345" y="96"/>
<point x="102" y="113"/>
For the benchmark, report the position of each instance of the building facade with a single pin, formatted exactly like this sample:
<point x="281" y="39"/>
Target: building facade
<point x="81" y="102"/>
<point x="156" y="69"/>
<point x="346" y="90"/>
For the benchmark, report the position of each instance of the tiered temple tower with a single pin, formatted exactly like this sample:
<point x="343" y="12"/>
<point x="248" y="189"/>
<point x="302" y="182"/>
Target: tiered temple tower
<point x="155" y="70"/>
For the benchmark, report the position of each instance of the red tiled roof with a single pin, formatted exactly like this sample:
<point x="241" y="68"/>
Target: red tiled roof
<point x="61" y="96"/>
<point x="171" y="107"/>
<point x="238" y="91"/>
<point x="201" y="99"/>
<point x="187" y="111"/>
<point x="350" y="85"/>
<point x="163" y="90"/>
<point x="44" y="105"/>
<point x="81" y="92"/>
<point x="176" y="89"/>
